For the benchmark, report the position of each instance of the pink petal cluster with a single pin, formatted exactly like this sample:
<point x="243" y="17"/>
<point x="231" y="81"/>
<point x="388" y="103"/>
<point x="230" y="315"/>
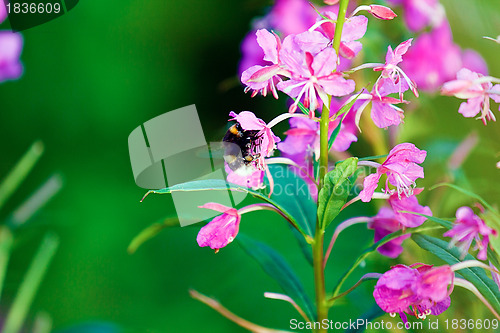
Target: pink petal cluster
<point x="434" y="59"/>
<point x="420" y="13"/>
<point x="418" y="290"/>
<point x="353" y="30"/>
<point x="470" y="227"/>
<point x="389" y="220"/>
<point x="401" y="168"/>
<point x="477" y="89"/>
<point x="384" y="112"/>
<point x="385" y="223"/>
<point x="400" y="204"/>
<point x="222" y="229"/>
<point x="391" y="71"/>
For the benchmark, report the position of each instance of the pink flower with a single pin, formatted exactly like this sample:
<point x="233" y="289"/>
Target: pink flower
<point x="11" y="45"/>
<point x="391" y="71"/>
<point x="420" y="13"/>
<point x="291" y="16"/>
<point x="354" y="29"/>
<point x="312" y="76"/>
<point x="401" y="169"/>
<point x="468" y="227"/>
<point x="247" y="176"/>
<point x="403" y="203"/>
<point x="409" y="290"/>
<point x="384" y="112"/>
<point x="477" y="89"/>
<point x="434" y="59"/>
<point x="222" y="229"/>
<point x="385" y="223"/>
<point x="264" y="78"/>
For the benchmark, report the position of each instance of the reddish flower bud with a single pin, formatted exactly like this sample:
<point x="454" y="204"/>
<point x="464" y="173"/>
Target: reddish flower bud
<point x="382" y="12"/>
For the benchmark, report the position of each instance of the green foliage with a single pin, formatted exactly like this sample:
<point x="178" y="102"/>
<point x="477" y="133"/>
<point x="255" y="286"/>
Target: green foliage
<point x="452" y="255"/>
<point x="277" y="268"/>
<point x="335" y="192"/>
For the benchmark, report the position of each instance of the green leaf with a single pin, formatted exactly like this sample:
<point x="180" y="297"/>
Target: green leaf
<point x="302" y="108"/>
<point x="344" y="110"/>
<point x="222" y="185"/>
<point x="445" y="223"/>
<point x="375" y="246"/>
<point x="451" y="256"/>
<point x="26" y="293"/>
<point x="151" y="232"/>
<point x="291" y="192"/>
<point x="20" y="171"/>
<point x="277" y="268"/>
<point x="373" y="313"/>
<point x="335" y="191"/>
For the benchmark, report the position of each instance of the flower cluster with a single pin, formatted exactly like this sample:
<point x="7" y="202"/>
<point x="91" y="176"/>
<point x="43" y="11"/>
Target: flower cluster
<point x="469" y="227"/>
<point x="418" y="290"/>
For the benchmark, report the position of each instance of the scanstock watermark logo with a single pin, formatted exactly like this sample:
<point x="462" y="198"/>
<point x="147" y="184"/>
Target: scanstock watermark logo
<point x="171" y="149"/>
<point x="25" y="14"/>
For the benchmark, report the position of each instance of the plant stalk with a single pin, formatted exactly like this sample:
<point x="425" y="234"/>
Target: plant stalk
<point x="317" y="246"/>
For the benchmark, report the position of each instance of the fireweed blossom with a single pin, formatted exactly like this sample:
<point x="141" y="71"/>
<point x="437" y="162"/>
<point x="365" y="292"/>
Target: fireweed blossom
<point x="417" y="290"/>
<point x="420" y="13"/>
<point x="353" y="30"/>
<point x="478" y="90"/>
<point x="403" y="203"/>
<point x="469" y="227"/>
<point x="391" y="72"/>
<point x="434" y="59"/>
<point x="401" y="168"/>
<point x="222" y="229"/>
<point x="384" y="111"/>
<point x="264" y="78"/>
<point x="389" y="220"/>
<point x="312" y="74"/>
<point x="385" y="223"/>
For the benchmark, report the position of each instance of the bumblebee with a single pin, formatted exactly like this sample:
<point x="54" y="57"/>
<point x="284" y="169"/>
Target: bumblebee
<point x="238" y="152"/>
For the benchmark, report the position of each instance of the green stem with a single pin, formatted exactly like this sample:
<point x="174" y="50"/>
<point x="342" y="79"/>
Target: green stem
<point x="317" y="246"/>
<point x="340" y="24"/>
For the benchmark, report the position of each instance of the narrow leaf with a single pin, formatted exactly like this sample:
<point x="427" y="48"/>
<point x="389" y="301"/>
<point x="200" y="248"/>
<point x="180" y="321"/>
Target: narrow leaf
<point x="26" y="293"/>
<point x="20" y="171"/>
<point x="277" y="268"/>
<point x="221" y="185"/>
<point x="6" y="242"/>
<point x="151" y="232"/>
<point x="475" y="275"/>
<point x="335" y="191"/>
<point x="423" y="228"/>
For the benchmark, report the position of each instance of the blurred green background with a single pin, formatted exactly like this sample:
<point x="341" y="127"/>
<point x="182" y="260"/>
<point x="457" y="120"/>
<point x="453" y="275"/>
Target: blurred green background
<point x="99" y="71"/>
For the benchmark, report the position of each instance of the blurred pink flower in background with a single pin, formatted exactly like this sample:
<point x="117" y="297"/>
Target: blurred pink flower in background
<point x="385" y="223"/>
<point x="468" y="227"/>
<point x="477" y="89"/>
<point x="408" y="204"/>
<point x="434" y="59"/>
<point x="420" y="13"/>
<point x="3" y="11"/>
<point x="11" y="46"/>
